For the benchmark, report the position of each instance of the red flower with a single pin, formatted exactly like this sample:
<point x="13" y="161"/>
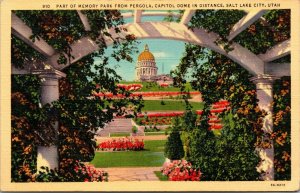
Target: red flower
<point x="181" y="170"/>
<point x="122" y="144"/>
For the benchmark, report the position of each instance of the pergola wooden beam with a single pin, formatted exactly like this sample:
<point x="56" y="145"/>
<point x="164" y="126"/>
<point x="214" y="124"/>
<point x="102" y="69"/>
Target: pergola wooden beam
<point x="160" y="13"/>
<point x="84" y="21"/>
<point x="22" y="31"/>
<point x="278" y="69"/>
<point x="173" y="31"/>
<point x="187" y="16"/>
<point x="137" y="17"/>
<point x="245" y="22"/>
<point x="278" y="51"/>
<point x="150" y="14"/>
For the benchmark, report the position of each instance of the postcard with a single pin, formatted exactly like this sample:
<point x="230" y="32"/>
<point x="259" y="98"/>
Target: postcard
<point x="150" y="95"/>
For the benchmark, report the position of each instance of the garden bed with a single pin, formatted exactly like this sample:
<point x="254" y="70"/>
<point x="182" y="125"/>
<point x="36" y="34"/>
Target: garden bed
<point x="121" y="144"/>
<point x="153" y="155"/>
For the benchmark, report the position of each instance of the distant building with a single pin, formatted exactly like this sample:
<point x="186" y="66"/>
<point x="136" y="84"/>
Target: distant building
<point x="146" y="69"/>
<point x="163" y="78"/>
<point x="146" y="66"/>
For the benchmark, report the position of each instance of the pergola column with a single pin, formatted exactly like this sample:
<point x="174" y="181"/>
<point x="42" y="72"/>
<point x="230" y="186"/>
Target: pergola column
<point x="264" y="92"/>
<point x="48" y="155"/>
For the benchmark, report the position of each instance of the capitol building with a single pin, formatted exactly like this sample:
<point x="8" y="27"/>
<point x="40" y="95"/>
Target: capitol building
<point x="146" y="69"/>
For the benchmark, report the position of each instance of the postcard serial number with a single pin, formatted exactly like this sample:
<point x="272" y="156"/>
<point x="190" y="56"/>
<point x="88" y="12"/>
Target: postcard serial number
<point x="278" y="185"/>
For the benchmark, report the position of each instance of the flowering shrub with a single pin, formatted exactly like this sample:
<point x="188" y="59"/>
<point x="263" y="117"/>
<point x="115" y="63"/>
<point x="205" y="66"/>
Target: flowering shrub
<point x="78" y="172"/>
<point x="130" y="87"/>
<point x="181" y="170"/>
<point x="154" y="121"/>
<point x="164" y="85"/>
<point x="92" y="174"/>
<point x="122" y="144"/>
<point x="146" y="94"/>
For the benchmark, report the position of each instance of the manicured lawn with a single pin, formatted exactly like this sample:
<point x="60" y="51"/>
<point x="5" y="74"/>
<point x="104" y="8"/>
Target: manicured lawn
<point x="169" y="105"/>
<point x="147" y="86"/>
<point x="160" y="176"/>
<point x="119" y="134"/>
<point x="154" y="133"/>
<point x="153" y="155"/>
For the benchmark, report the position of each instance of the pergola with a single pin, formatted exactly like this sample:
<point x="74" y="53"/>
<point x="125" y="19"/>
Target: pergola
<point x="262" y="68"/>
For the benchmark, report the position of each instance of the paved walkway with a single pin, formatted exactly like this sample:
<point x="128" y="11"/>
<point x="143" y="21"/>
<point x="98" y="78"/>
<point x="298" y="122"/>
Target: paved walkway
<point x="132" y="174"/>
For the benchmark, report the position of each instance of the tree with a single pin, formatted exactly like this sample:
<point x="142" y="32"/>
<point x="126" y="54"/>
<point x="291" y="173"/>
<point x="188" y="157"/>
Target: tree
<point x="230" y="156"/>
<point x="174" y="148"/>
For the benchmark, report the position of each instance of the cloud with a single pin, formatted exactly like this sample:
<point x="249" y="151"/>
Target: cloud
<point x="160" y="54"/>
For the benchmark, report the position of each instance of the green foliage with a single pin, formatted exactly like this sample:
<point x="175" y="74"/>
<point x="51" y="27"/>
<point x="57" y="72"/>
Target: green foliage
<point x="262" y="35"/>
<point x="231" y="155"/>
<point x="22" y="54"/>
<point x="211" y="20"/>
<point x="160" y="176"/>
<point x="29" y="126"/>
<point x="258" y="37"/>
<point x="219" y="78"/>
<point x="46" y="175"/>
<point x="174" y="148"/>
<point x="79" y="113"/>
<point x="134" y="129"/>
<point x="78" y="172"/>
<point x="282" y="128"/>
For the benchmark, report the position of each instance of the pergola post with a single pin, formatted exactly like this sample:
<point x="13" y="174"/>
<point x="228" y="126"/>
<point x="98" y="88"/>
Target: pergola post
<point x="48" y="155"/>
<point x="264" y="92"/>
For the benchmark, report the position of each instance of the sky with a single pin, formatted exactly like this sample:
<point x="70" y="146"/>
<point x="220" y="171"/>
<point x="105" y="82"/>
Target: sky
<point x="166" y="53"/>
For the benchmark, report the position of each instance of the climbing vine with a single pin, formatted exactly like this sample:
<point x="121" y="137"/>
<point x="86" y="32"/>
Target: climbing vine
<point x="79" y="111"/>
<point x="271" y="29"/>
<point x="282" y="128"/>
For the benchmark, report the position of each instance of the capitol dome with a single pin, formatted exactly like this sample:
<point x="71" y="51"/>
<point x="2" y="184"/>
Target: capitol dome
<point x="146" y="66"/>
<point x="146" y="54"/>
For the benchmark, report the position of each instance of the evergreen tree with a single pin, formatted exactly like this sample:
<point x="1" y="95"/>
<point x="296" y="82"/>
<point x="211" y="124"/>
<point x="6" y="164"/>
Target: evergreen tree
<point x="174" y="148"/>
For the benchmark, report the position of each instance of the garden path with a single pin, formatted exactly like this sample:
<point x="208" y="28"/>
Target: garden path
<point x="132" y="174"/>
<point x="117" y="126"/>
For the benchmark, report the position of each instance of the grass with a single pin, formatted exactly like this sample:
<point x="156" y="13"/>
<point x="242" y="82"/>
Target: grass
<point x="155" y="105"/>
<point x="119" y="134"/>
<point x="160" y="176"/>
<point x="152" y="156"/>
<point x="154" y="133"/>
<point x="148" y="86"/>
